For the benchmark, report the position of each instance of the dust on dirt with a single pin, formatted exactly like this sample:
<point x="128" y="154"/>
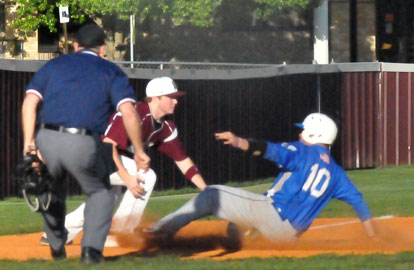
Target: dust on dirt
<point x="208" y="239"/>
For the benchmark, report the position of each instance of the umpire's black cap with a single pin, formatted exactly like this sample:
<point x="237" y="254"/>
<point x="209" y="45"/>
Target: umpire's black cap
<point x="90" y="36"/>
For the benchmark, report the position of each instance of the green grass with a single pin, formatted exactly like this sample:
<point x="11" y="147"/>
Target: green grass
<point x="402" y="261"/>
<point x="387" y="191"/>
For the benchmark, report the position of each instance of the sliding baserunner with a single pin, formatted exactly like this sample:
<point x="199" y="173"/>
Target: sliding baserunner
<point x="310" y="179"/>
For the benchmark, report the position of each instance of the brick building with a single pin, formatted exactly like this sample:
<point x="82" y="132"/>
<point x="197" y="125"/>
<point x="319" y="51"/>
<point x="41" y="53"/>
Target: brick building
<point x="360" y="31"/>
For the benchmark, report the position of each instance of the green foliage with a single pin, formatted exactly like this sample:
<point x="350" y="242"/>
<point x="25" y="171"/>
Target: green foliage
<point x="199" y="13"/>
<point x="268" y="7"/>
<point x="31" y="14"/>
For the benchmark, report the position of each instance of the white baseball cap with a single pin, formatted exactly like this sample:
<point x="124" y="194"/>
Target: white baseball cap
<point x="318" y="128"/>
<point x="163" y="86"/>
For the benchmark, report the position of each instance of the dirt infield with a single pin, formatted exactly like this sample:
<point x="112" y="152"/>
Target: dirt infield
<point x="205" y="239"/>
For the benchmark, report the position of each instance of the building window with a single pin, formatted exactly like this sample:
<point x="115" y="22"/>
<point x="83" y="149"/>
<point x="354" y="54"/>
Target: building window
<point x="48" y="41"/>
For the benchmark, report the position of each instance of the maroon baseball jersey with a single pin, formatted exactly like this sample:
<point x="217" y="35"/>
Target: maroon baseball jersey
<point x="162" y="135"/>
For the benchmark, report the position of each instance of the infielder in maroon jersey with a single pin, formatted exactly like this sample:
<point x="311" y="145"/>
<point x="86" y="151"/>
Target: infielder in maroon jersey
<point x="157" y="132"/>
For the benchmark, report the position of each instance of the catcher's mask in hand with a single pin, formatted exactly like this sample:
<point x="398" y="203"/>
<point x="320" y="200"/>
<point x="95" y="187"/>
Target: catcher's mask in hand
<point x="35" y="181"/>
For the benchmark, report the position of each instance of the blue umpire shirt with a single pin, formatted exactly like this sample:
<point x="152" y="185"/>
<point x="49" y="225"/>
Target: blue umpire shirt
<point x="80" y="90"/>
<point x="311" y="178"/>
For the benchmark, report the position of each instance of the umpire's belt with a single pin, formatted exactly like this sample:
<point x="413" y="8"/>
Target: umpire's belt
<point x="80" y="131"/>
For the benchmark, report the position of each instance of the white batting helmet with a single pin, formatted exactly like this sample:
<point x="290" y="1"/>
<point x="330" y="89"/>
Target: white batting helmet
<point x="318" y="128"/>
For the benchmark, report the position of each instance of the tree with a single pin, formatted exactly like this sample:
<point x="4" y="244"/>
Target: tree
<point x="32" y="14"/>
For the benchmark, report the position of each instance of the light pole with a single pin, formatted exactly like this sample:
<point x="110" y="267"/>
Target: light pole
<point x="132" y="39"/>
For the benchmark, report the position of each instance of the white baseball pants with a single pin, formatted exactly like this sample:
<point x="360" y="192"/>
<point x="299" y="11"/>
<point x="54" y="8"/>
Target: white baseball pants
<point x="128" y="215"/>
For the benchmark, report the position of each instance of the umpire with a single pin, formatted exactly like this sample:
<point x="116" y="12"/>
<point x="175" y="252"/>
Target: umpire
<point x="78" y="93"/>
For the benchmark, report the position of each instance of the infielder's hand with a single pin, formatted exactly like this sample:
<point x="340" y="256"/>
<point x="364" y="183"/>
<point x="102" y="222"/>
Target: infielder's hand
<point x="132" y="182"/>
<point x="142" y="160"/>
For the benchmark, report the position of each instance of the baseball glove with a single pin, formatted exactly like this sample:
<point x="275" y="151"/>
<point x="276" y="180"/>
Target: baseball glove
<point x="35" y="182"/>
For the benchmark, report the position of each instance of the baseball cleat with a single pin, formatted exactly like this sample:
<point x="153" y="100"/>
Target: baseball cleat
<point x="111" y="241"/>
<point x="58" y="254"/>
<point x="91" y="256"/>
<point x="233" y="242"/>
<point x="155" y="237"/>
<point x="45" y="242"/>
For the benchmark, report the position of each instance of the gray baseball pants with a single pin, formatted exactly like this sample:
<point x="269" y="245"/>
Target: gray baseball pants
<point x="235" y="205"/>
<point x="76" y="155"/>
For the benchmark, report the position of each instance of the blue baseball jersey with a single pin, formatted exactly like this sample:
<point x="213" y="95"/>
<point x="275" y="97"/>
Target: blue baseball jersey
<point x="80" y="90"/>
<point x="311" y="178"/>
